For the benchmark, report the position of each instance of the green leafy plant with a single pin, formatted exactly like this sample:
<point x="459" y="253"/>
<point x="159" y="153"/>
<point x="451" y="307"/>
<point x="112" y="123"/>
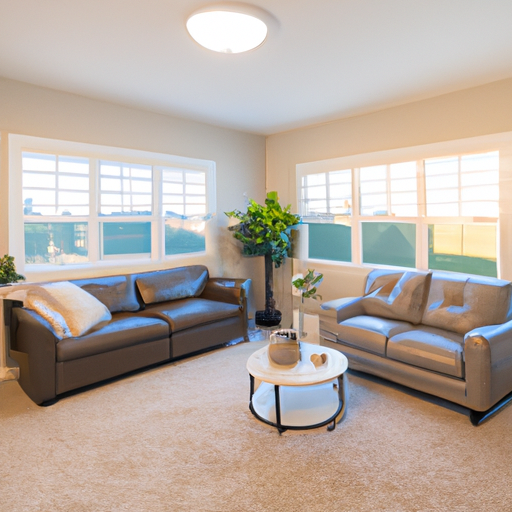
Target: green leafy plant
<point x="264" y="229"/>
<point x="307" y="285"/>
<point x="8" y="272"/>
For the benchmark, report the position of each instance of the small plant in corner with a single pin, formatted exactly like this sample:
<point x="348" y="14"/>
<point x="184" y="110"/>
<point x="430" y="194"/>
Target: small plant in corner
<point x="8" y="272"/>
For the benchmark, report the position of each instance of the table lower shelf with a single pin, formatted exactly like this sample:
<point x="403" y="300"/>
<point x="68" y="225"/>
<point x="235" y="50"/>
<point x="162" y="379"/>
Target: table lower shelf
<point x="300" y="407"/>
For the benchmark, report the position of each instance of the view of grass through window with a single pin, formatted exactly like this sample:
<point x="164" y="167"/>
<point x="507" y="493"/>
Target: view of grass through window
<point x="389" y="243"/>
<point x="56" y="242"/>
<point x="330" y="242"/>
<point x="463" y="248"/>
<point x="126" y="238"/>
<point x="182" y="239"/>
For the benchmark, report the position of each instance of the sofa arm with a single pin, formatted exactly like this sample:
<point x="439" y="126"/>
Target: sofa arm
<point x="232" y="291"/>
<point x="345" y="308"/>
<point x="33" y="347"/>
<point x="499" y="338"/>
<point x="488" y="361"/>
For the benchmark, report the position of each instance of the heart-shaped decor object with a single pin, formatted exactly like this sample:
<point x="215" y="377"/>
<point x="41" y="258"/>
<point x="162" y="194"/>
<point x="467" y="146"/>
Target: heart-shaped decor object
<point x="318" y="359"/>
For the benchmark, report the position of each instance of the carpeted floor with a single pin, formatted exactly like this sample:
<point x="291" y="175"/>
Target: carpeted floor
<point x="181" y="438"/>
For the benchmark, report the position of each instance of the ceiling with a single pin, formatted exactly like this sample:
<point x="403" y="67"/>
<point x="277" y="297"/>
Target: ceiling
<point x="322" y="60"/>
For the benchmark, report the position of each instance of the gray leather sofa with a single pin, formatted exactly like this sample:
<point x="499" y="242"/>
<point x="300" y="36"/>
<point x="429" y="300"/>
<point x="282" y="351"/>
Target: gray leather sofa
<point x="156" y="317"/>
<point x="449" y="335"/>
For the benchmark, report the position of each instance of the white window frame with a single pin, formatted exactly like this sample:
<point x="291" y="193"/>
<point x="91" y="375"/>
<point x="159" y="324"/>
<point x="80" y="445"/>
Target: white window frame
<point x="17" y="144"/>
<point x="499" y="142"/>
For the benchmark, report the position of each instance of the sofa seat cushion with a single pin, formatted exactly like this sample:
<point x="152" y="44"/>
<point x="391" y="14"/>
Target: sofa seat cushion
<point x="124" y="330"/>
<point x="185" y="313"/>
<point x="430" y="348"/>
<point x="370" y="332"/>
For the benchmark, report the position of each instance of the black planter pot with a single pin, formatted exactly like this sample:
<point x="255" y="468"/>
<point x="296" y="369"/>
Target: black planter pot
<point x="266" y="318"/>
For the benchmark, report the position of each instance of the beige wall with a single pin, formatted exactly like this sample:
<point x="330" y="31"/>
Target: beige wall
<point x="468" y="113"/>
<point x="463" y="114"/>
<point x="239" y="157"/>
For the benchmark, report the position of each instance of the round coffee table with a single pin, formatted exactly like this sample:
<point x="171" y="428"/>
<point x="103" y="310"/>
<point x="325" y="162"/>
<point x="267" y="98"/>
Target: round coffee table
<point x="302" y="397"/>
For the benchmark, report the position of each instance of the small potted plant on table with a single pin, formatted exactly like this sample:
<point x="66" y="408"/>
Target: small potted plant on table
<point x="306" y="287"/>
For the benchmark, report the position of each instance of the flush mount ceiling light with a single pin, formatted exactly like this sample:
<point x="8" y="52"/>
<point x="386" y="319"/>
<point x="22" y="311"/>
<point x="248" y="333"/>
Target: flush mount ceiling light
<point x="229" y="27"/>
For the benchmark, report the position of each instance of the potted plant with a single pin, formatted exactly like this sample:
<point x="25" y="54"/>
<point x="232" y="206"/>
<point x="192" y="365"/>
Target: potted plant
<point x="264" y="230"/>
<point x="306" y="288"/>
<point x="8" y="272"/>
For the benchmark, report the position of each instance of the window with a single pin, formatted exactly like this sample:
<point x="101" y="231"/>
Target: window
<point x="55" y="185"/>
<point x="389" y="243"/>
<point x="389" y="190"/>
<point x="184" y="192"/>
<point x="463" y="186"/>
<point x="438" y="213"/>
<point x="470" y="248"/>
<point x="56" y="242"/>
<point x="125" y="189"/>
<point x="122" y="238"/>
<point x="326" y="205"/>
<point x="82" y="206"/>
<point x="184" y="207"/>
<point x="327" y="194"/>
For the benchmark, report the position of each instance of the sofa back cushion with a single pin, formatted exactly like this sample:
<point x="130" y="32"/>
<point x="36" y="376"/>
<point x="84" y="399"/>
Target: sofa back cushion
<point x="116" y="292"/>
<point x="381" y="278"/>
<point x="461" y="303"/>
<point x="400" y="296"/>
<point x="176" y="283"/>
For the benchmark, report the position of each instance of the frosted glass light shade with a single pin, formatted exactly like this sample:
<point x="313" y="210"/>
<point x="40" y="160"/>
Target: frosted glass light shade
<point x="226" y="31"/>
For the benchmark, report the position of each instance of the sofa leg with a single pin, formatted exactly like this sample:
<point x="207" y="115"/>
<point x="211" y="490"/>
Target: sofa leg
<point x="47" y="403"/>
<point x="478" y="417"/>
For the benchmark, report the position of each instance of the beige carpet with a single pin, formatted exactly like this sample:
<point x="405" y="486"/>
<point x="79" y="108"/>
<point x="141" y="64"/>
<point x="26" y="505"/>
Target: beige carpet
<point x="181" y="438"/>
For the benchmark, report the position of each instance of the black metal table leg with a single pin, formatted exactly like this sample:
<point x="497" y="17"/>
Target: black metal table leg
<point x="278" y="410"/>
<point x="342" y="399"/>
<point x="252" y="388"/>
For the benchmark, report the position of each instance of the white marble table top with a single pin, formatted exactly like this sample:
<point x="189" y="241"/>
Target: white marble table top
<point x="305" y="373"/>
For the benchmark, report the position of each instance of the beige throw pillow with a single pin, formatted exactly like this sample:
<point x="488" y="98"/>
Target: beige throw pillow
<point x="70" y="310"/>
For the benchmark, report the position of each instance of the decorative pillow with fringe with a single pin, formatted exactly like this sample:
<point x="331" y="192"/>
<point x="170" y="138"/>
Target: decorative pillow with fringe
<point x="70" y="310"/>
